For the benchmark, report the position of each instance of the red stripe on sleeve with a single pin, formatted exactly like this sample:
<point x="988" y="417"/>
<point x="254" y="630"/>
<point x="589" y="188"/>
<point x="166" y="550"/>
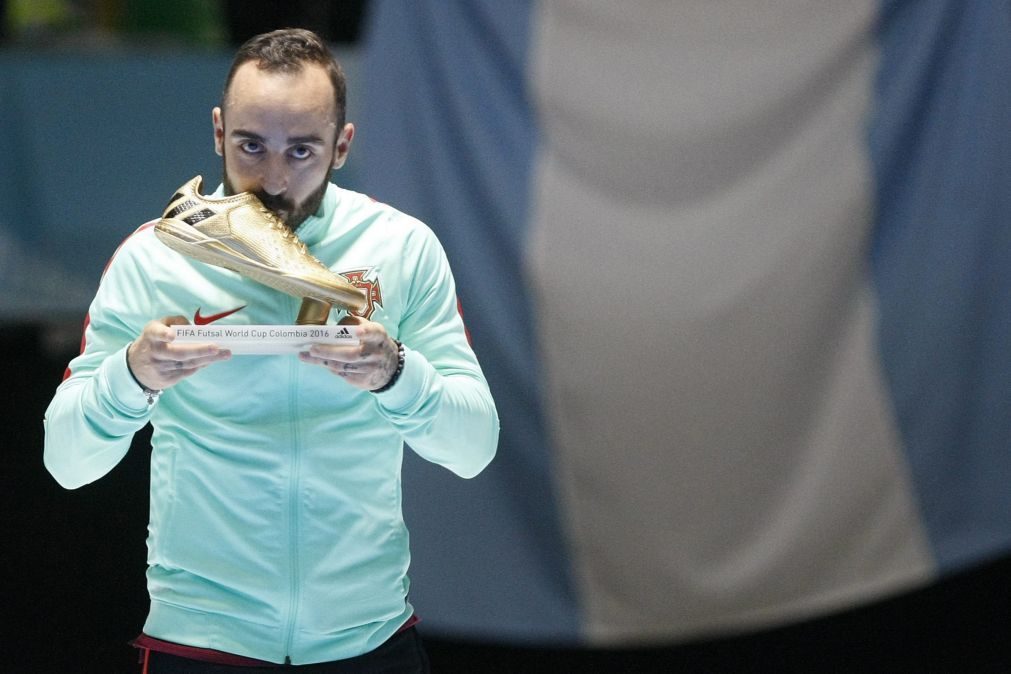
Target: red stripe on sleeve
<point x="87" y="317"/>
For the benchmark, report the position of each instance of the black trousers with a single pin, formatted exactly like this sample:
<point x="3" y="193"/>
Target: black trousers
<point x="403" y="653"/>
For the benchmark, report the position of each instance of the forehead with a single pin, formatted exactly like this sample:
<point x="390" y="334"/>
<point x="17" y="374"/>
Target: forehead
<point x="302" y="99"/>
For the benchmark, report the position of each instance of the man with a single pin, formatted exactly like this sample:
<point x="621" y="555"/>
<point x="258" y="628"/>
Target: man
<point x="276" y="533"/>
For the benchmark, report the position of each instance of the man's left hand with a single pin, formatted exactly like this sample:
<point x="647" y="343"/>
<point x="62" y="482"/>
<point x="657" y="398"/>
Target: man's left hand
<point x="368" y="365"/>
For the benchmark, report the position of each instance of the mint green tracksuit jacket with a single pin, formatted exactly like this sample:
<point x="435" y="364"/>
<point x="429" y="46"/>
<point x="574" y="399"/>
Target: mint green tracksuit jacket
<point x="276" y="529"/>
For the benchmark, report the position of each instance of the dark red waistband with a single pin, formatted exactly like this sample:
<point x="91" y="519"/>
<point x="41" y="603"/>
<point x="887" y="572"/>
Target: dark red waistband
<point x="149" y="643"/>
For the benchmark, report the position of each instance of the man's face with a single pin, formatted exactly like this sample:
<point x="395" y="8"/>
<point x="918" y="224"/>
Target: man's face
<point x="278" y="138"/>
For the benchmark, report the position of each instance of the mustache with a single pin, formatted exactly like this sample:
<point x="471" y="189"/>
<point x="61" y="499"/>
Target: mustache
<point x="275" y="203"/>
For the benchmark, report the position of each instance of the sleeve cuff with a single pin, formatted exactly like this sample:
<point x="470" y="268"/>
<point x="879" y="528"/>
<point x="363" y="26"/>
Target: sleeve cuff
<point x="121" y="387"/>
<point x="414" y="381"/>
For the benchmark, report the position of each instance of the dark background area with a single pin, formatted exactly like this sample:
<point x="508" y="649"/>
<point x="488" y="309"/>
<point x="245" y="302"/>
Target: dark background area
<point x="74" y="591"/>
<point x="336" y="22"/>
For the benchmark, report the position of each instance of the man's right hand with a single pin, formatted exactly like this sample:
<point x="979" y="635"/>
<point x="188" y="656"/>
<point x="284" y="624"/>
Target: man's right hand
<point x="158" y="364"/>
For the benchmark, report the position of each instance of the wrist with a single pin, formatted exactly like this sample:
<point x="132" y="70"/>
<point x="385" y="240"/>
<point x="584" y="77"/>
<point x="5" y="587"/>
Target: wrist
<point x="396" y="373"/>
<point x="151" y="393"/>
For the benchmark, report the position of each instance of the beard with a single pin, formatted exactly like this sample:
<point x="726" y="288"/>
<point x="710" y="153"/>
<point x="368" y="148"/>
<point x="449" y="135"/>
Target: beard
<point x="287" y="211"/>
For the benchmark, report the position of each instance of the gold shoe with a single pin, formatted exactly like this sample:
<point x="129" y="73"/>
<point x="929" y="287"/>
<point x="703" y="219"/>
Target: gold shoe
<point x="241" y="234"/>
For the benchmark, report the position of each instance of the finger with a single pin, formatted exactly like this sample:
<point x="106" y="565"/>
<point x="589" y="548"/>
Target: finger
<point x="350" y="370"/>
<point x="197" y="360"/>
<point x="171" y="364"/>
<point x="325" y="359"/>
<point x="174" y="377"/>
<point x="373" y="346"/>
<point x="170" y="367"/>
<point x="175" y="367"/>
<point x="160" y="330"/>
<point x="339" y="353"/>
<point x="188" y="352"/>
<point x="180" y="369"/>
<point x="368" y="331"/>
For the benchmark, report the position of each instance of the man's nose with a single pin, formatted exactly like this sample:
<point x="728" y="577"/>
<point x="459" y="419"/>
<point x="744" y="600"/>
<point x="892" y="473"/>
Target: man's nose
<point x="274" y="180"/>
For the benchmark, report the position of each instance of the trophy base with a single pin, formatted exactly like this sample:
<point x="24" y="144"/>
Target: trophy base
<point x="313" y="312"/>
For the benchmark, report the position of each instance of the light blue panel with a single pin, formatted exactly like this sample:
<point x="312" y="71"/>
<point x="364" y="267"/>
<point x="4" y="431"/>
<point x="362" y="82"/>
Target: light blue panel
<point x="448" y="135"/>
<point x="941" y="147"/>
<point x="103" y="140"/>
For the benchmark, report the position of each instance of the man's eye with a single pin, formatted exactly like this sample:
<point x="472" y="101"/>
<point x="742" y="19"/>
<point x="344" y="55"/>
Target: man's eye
<point x="251" y="147"/>
<point x="301" y="152"/>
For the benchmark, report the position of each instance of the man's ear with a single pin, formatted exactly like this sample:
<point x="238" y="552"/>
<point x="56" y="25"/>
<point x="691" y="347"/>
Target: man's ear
<point x="347" y="134"/>
<point x="219" y="131"/>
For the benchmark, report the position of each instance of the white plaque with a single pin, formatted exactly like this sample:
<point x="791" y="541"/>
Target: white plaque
<point x="265" y="340"/>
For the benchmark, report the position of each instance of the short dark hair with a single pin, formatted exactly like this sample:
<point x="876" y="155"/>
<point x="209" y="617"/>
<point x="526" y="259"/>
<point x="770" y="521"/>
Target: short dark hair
<point x="287" y="50"/>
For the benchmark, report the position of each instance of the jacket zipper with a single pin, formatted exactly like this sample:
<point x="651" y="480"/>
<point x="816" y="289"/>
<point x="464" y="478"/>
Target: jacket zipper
<point x="293" y="507"/>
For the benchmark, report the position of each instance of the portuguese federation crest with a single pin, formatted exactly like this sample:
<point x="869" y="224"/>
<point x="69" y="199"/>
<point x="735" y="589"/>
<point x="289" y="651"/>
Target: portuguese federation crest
<point x="373" y="294"/>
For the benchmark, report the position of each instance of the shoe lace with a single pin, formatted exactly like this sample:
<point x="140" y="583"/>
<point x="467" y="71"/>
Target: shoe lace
<point x="286" y="233"/>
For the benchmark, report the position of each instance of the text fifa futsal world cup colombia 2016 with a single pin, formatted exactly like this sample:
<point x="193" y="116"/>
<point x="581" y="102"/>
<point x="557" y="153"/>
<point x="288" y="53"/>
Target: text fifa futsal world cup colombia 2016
<point x="267" y="339"/>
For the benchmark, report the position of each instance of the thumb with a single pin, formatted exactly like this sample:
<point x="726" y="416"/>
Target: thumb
<point x="351" y="319"/>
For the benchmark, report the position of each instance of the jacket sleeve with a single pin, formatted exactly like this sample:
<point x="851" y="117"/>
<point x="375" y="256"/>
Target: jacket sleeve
<point x="441" y="404"/>
<point x="98" y="407"/>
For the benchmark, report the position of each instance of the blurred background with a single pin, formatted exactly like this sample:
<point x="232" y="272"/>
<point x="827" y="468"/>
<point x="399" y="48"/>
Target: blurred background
<point x="739" y="275"/>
